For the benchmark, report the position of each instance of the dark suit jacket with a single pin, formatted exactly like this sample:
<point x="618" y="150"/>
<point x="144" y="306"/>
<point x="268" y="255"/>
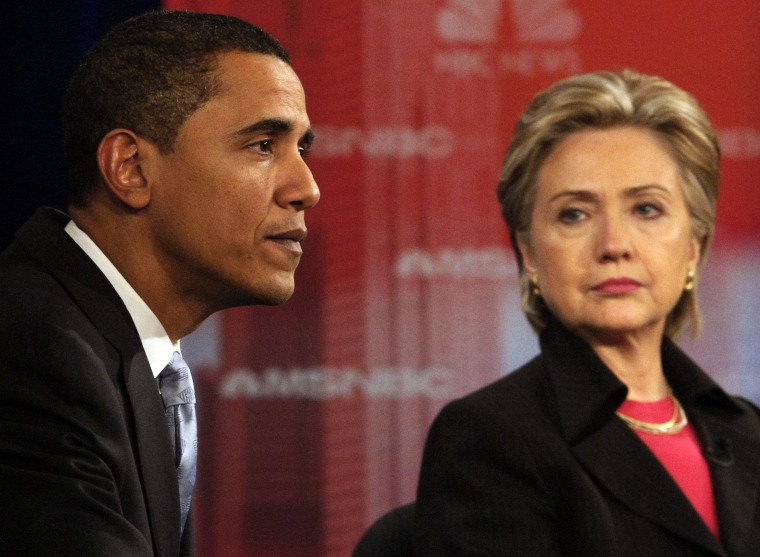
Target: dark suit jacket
<point x="86" y="465"/>
<point x="537" y="464"/>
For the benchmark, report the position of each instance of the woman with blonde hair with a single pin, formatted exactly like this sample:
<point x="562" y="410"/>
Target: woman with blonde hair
<point x="611" y="442"/>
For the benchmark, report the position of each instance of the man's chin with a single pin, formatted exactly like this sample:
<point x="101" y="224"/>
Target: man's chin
<point x="275" y="291"/>
<point x="275" y="300"/>
<point x="274" y="295"/>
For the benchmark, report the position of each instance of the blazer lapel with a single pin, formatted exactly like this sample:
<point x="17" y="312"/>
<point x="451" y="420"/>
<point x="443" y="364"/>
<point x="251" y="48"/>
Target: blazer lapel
<point x="154" y="452"/>
<point x="587" y="395"/>
<point x="621" y="462"/>
<point x="733" y="453"/>
<point x="728" y="431"/>
<point x="100" y="302"/>
<point x="156" y="456"/>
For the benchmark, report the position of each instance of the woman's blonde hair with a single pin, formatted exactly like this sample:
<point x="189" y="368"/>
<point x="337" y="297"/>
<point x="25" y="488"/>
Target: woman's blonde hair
<point x="603" y="100"/>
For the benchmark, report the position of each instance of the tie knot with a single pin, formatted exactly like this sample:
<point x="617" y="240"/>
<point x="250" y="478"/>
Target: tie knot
<point x="176" y="383"/>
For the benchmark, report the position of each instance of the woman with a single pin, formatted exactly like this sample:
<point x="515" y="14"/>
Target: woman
<point x="611" y="442"/>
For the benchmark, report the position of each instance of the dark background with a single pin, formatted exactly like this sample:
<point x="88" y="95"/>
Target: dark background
<point x="41" y="43"/>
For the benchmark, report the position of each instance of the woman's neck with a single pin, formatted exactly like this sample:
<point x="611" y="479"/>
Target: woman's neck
<point x="637" y="362"/>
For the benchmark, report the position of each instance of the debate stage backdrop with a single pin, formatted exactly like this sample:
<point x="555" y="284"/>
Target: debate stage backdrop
<point x="407" y="293"/>
<point x="314" y="414"/>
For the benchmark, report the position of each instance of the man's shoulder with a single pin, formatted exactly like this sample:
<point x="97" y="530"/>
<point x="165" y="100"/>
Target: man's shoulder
<point x="34" y="299"/>
<point x="45" y="276"/>
<point x="28" y="290"/>
<point x="38" y="245"/>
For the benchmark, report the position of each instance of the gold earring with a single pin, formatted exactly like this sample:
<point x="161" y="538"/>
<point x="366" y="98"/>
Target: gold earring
<point x="535" y="290"/>
<point x="689" y="284"/>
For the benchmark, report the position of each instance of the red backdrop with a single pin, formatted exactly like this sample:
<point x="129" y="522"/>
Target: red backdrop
<point x="314" y="413"/>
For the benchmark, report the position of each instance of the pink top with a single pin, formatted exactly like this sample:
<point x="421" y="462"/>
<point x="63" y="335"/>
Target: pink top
<point x="680" y="454"/>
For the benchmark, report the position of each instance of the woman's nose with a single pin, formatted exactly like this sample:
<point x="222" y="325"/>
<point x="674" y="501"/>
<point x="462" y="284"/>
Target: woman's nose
<point x="613" y="238"/>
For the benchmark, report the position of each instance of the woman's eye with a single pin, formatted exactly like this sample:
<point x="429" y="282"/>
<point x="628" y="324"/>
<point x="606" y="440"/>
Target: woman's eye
<point x="648" y="210"/>
<point x="571" y="215"/>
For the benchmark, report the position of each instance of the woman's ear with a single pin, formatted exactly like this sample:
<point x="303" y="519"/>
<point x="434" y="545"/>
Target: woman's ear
<point x="119" y="158"/>
<point x="527" y="257"/>
<point x="696" y="248"/>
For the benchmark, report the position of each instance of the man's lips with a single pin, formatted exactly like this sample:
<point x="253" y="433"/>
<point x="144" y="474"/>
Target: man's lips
<point x="621" y="285"/>
<point x="289" y="239"/>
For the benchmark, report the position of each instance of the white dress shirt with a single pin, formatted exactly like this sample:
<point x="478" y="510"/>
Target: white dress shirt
<point x="156" y="343"/>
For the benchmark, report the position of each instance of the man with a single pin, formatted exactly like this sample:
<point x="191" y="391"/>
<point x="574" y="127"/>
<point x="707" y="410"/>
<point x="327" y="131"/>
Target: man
<point x="185" y="134"/>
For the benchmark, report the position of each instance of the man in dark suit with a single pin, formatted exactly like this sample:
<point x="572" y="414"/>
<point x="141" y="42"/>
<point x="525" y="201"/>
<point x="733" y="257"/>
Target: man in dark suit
<point x="185" y="135"/>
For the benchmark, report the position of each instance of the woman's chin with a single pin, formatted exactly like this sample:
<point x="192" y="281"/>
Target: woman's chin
<point x="615" y="329"/>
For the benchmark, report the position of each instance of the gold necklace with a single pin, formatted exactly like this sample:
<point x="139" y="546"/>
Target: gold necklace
<point x="675" y="424"/>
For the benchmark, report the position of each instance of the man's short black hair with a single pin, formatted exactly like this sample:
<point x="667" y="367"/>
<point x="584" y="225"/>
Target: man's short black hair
<point x="147" y="75"/>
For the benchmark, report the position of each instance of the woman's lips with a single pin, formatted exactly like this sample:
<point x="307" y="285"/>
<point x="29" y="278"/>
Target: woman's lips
<point x="622" y="285"/>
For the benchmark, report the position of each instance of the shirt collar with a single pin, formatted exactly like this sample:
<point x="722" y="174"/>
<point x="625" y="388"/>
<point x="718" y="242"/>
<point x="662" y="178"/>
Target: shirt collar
<point x="156" y="343"/>
<point x="588" y="392"/>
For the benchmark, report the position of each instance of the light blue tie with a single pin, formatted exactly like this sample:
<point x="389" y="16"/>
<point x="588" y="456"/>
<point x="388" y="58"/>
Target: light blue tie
<point x="176" y="385"/>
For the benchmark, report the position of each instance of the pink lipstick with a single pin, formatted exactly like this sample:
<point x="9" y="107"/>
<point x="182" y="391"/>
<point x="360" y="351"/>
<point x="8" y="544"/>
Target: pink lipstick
<point x="621" y="285"/>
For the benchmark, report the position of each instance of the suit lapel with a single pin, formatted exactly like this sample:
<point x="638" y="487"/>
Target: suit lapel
<point x="621" y="462"/>
<point x="96" y="297"/>
<point x="587" y="395"/>
<point x="156" y="457"/>
<point x="733" y="453"/>
<point x="729" y="433"/>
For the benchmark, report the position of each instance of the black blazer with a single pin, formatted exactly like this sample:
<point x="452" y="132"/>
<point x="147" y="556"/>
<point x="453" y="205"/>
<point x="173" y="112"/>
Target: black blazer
<point x="86" y="465"/>
<point x="537" y="464"/>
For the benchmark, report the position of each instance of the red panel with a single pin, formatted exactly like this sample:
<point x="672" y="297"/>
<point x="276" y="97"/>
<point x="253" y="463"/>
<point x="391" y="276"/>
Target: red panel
<point x="407" y="293"/>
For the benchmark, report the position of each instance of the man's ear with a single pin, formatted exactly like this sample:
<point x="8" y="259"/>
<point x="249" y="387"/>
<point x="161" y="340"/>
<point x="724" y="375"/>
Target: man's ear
<point x="119" y="158"/>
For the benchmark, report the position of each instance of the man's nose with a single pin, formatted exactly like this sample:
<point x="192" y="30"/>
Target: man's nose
<point x="299" y="189"/>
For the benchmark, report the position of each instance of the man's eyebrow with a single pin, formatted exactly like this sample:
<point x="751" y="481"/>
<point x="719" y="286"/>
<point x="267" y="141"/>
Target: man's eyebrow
<point x="274" y="125"/>
<point x="267" y="125"/>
